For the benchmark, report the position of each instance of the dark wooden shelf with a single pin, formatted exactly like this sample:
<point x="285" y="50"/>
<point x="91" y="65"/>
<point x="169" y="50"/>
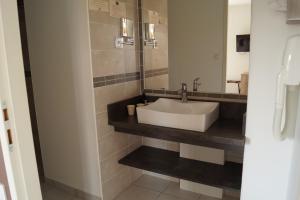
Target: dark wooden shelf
<point x="225" y="133"/>
<point x="171" y="164"/>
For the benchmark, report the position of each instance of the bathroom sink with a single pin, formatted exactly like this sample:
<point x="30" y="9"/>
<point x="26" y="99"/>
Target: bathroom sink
<point x="193" y="115"/>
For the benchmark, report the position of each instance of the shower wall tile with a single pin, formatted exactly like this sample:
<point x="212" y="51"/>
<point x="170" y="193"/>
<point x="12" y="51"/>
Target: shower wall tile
<point x="116" y="75"/>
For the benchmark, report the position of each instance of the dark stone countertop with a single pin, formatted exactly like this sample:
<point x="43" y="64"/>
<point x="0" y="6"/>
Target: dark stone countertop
<point x="226" y="133"/>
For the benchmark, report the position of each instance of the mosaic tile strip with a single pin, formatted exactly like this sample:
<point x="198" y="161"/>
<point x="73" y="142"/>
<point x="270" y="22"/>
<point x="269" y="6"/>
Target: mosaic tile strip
<point x="115" y="79"/>
<point x="141" y="43"/>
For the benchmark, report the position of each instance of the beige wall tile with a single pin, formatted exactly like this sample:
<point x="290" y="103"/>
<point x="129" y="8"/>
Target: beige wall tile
<point x="109" y="62"/>
<point x="164" y="8"/>
<point x="157" y="82"/>
<point x="152" y="183"/>
<point x="112" y="144"/>
<point x="151" y="142"/>
<point x="168" y="178"/>
<point x="204" y="154"/>
<point x="136" y="174"/>
<point x="117" y="184"/>
<point x="103" y="36"/>
<point x="159" y="59"/>
<point x="148" y="58"/>
<point x="103" y="128"/>
<point x="110" y="94"/>
<point x="154" y="5"/>
<point x="110" y="166"/>
<point x="172" y="146"/>
<point x="134" y="140"/>
<point x="131" y="2"/>
<point x="132" y="12"/>
<point x="162" y="144"/>
<point x="103" y="18"/>
<point x="132" y="89"/>
<point x="100" y="100"/>
<point x="131" y="61"/>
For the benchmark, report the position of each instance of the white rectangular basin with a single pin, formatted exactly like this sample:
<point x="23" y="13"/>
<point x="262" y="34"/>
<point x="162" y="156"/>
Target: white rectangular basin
<point x="193" y="115"/>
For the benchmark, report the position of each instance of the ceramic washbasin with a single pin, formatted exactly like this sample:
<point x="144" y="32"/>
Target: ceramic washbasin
<point x="193" y="115"/>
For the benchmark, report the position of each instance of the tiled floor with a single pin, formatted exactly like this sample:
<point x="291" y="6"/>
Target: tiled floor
<point x="52" y="193"/>
<point x="145" y="188"/>
<point x="152" y="188"/>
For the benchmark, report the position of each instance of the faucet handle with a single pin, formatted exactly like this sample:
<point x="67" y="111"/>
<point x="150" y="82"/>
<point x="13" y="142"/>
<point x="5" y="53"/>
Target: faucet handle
<point x="184" y="86"/>
<point x="196" y="85"/>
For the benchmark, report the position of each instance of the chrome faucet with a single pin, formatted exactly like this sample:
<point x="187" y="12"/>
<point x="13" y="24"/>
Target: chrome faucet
<point x="196" y="84"/>
<point x="183" y="93"/>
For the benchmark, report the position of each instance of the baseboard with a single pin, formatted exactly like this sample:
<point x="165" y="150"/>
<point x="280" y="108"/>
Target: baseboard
<point x="70" y="190"/>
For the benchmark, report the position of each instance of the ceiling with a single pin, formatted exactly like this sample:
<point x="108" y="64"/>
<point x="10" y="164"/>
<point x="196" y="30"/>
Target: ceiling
<point x="239" y="2"/>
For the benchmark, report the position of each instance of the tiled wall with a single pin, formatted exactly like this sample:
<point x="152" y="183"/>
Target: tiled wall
<point x="116" y="74"/>
<point x="116" y="77"/>
<point x="156" y="59"/>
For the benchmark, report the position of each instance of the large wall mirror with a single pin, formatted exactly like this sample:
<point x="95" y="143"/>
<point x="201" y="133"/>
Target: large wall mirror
<point x="203" y="43"/>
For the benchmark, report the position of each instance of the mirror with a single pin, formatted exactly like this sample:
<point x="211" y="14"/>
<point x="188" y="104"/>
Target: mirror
<point x="127" y="29"/>
<point x="203" y="43"/>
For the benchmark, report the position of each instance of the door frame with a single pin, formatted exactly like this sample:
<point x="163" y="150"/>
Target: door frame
<point x="21" y="156"/>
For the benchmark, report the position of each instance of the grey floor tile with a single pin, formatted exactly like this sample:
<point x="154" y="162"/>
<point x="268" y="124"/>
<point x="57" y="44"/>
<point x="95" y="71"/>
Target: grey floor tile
<point x="169" y="197"/>
<point x="50" y="192"/>
<point x="230" y="198"/>
<point x="152" y="183"/>
<point x="212" y="198"/>
<point x="56" y="194"/>
<point x="174" y="190"/>
<point x="138" y="193"/>
<point x="202" y="197"/>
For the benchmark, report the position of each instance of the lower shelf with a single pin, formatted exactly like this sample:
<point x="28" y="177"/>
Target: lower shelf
<point x="171" y="164"/>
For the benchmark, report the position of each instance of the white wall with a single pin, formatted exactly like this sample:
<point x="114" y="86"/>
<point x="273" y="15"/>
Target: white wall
<point x="294" y="174"/>
<point x="58" y="33"/>
<point x="267" y="162"/>
<point x="239" y="19"/>
<point x="196" y="43"/>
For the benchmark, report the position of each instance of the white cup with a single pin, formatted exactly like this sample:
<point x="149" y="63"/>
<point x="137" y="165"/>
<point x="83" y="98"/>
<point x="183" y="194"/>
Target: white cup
<point x="131" y="110"/>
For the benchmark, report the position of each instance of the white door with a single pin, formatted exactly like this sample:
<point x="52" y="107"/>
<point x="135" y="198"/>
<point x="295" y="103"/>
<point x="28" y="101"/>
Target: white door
<point x="20" y="159"/>
<point x="7" y="182"/>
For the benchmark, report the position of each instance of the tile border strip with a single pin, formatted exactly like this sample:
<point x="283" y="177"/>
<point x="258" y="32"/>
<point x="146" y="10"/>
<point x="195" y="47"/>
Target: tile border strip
<point x="115" y="79"/>
<point x="141" y="44"/>
<point x="199" y="95"/>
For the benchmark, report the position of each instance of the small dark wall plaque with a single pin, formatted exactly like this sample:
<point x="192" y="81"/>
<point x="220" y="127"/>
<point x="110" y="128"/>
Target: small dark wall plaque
<point x="243" y="43"/>
<point x="293" y="13"/>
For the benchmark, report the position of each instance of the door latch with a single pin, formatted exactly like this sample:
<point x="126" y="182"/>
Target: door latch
<point x="7" y="125"/>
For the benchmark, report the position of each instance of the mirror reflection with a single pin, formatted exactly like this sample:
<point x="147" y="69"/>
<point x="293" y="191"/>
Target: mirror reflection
<point x="203" y="43"/>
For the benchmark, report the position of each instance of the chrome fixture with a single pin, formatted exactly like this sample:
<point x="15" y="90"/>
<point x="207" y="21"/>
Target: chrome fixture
<point x="126" y="35"/>
<point x="196" y="85"/>
<point x="183" y="92"/>
<point x="150" y="39"/>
